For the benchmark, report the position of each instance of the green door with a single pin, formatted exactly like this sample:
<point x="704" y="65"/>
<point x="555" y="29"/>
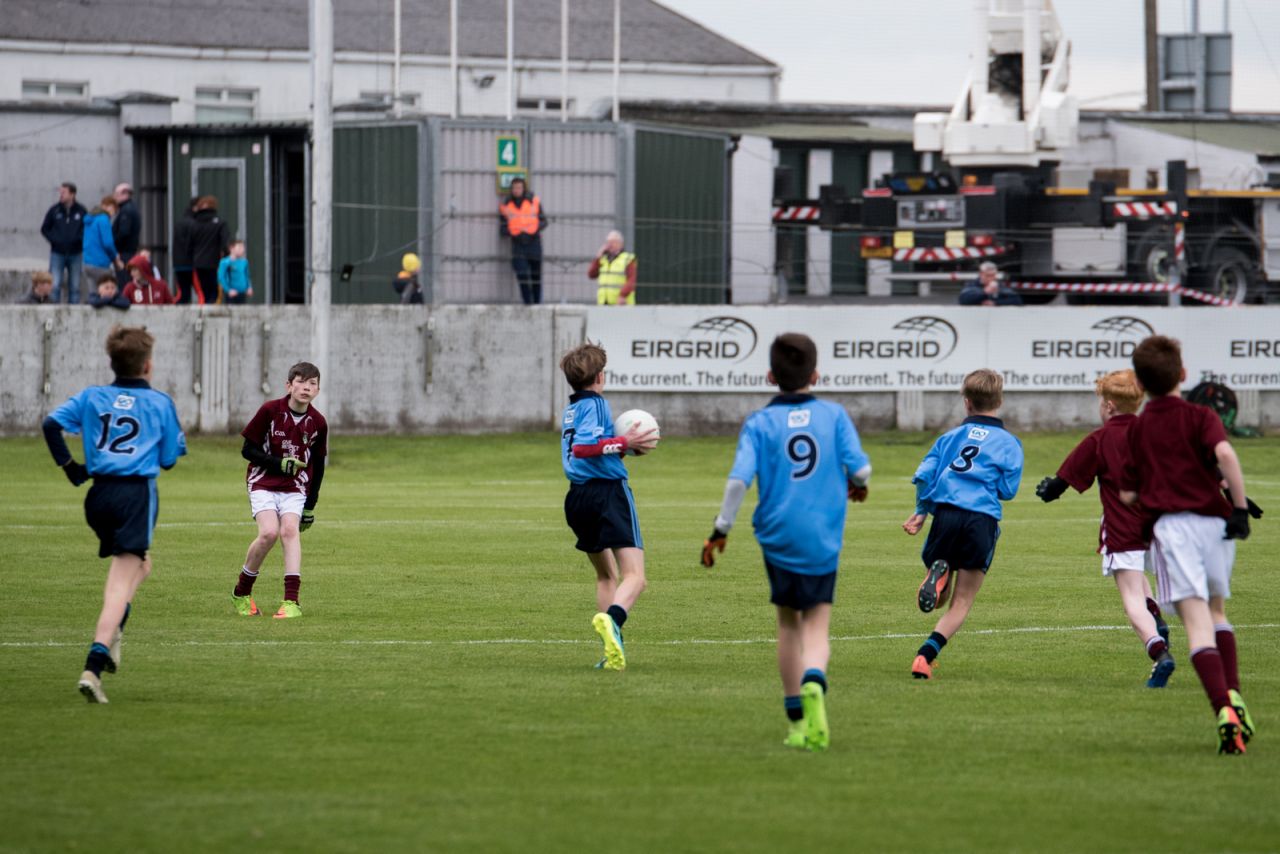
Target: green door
<point x="223" y="178"/>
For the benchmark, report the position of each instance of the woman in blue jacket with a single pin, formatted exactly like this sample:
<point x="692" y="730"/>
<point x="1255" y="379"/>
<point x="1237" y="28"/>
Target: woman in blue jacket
<point x="100" y="255"/>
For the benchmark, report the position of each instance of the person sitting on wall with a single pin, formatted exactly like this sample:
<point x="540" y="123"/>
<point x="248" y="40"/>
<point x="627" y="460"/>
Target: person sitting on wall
<point x="41" y="292"/>
<point x="145" y="287"/>
<point x="615" y="271"/>
<point x="108" y="295"/>
<point x="406" y="282"/>
<point x="987" y="290"/>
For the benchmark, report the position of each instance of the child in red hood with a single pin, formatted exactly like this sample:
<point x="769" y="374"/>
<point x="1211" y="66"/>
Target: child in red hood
<point x="146" y="288"/>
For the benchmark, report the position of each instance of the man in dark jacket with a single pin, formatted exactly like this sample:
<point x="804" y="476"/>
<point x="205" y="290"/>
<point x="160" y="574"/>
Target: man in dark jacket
<point x="126" y="228"/>
<point x="522" y="218"/>
<point x="209" y="239"/>
<point x="63" y="227"/>
<point x="987" y="290"/>
<point x="181" y="255"/>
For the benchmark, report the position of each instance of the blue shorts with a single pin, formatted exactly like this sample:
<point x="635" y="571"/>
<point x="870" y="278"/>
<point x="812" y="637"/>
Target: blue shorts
<point x="798" y="591"/>
<point x="122" y="512"/>
<point x="963" y="538"/>
<point x="602" y="513"/>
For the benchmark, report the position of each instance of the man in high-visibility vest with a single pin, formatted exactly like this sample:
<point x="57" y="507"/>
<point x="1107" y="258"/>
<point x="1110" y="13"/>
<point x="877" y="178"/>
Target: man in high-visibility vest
<point x="615" y="271"/>
<point x="522" y="220"/>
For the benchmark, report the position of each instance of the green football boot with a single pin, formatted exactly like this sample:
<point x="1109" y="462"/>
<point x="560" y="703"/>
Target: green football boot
<point x="814" y="702"/>
<point x="245" y="606"/>
<point x="614" y="654"/>
<point x="1242" y="712"/>
<point x="1230" y="731"/>
<point x="796" y="735"/>
<point x="288" y="610"/>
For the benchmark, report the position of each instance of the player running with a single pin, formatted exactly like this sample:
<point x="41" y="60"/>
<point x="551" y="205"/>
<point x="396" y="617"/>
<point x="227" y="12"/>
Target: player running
<point x="1122" y="540"/>
<point x="129" y="431"/>
<point x="286" y="444"/>
<point x="961" y="481"/>
<point x="599" y="506"/>
<point x="1178" y="457"/>
<point x="808" y="458"/>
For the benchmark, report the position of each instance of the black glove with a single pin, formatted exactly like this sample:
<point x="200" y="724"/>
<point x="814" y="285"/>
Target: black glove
<point x="1238" y="525"/>
<point x="289" y="466"/>
<point x="1254" y="510"/>
<point x="76" y="472"/>
<point x="716" y="542"/>
<point x="308" y="519"/>
<point x="1051" y="489"/>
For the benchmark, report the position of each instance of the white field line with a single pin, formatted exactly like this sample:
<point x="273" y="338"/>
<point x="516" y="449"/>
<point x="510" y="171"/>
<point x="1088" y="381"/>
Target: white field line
<point x="572" y="641"/>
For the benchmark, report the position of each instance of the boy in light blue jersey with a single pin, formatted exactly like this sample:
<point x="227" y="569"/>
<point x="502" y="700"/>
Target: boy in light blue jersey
<point x="808" y="459"/>
<point x="599" y="506"/>
<point x="967" y="473"/>
<point x="130" y="431"/>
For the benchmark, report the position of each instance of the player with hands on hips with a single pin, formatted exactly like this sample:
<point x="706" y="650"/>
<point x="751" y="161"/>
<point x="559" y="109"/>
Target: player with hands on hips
<point x="806" y="455"/>
<point x="287" y="445"/>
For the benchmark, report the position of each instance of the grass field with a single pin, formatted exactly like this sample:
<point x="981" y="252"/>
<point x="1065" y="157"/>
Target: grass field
<point x="439" y="695"/>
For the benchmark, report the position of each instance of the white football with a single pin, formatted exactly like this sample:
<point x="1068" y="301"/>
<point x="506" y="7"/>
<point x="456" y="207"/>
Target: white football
<point x="638" y="418"/>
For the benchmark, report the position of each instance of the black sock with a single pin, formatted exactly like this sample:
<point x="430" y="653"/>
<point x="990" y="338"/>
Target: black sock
<point x="813" y="674"/>
<point x="97" y="660"/>
<point x="931" y="647"/>
<point x="128" y="606"/>
<point x="618" y="613"/>
<point x="795" y="711"/>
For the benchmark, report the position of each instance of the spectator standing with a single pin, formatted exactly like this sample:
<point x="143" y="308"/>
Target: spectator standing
<point x="615" y="271"/>
<point x="987" y="290"/>
<point x="126" y="229"/>
<point x="406" y="282"/>
<point x="108" y="294"/>
<point x="523" y="220"/>
<point x="100" y="255"/>
<point x="184" y="293"/>
<point x="63" y="227"/>
<point x="233" y="274"/>
<point x="209" y="239"/>
<point x="41" y="292"/>
<point x="145" y="288"/>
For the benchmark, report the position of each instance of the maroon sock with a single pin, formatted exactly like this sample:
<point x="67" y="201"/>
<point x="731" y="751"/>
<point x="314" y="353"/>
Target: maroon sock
<point x="244" y="585"/>
<point x="1153" y="609"/>
<point x="1226" y="638"/>
<point x="1156" y="647"/>
<point x="291" y="585"/>
<point x="1208" y="664"/>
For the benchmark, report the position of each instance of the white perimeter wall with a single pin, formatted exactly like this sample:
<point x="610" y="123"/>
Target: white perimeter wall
<point x="416" y="370"/>
<point x="753" y="247"/>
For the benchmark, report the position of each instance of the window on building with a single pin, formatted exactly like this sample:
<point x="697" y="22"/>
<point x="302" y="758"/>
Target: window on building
<point x="408" y="99"/>
<point x="54" y="90"/>
<point x="533" y="106"/>
<point x="217" y="104"/>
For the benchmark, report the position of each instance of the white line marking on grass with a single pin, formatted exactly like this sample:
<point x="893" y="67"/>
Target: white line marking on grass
<point x="51" y="644"/>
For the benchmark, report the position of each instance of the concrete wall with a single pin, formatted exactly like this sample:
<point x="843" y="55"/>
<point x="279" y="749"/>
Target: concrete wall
<point x="413" y="370"/>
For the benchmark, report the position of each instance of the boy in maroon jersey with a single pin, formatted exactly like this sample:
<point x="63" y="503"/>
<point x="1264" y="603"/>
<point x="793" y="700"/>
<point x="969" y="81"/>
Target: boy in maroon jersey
<point x="1178" y="457"/>
<point x="286" y="444"/>
<point x="1121" y="538"/>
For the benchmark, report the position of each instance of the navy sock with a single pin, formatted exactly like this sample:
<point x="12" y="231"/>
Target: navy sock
<point x="97" y="660"/>
<point x="931" y="647"/>
<point x="128" y="606"/>
<point x="795" y="712"/>
<point x="813" y="674"/>
<point x="618" y="613"/>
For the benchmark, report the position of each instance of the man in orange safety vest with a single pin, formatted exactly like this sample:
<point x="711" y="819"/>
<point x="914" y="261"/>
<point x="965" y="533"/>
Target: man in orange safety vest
<point x="523" y="220"/>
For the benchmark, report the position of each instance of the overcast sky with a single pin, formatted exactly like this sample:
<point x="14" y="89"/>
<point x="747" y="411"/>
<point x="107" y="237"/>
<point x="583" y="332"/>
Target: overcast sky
<point x="914" y="51"/>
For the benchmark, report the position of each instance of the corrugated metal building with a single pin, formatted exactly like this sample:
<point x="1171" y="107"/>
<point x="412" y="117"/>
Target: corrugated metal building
<point x="433" y="186"/>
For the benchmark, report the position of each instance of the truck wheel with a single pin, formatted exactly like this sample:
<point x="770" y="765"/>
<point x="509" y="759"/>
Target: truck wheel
<point x="1153" y="256"/>
<point x="1231" y="274"/>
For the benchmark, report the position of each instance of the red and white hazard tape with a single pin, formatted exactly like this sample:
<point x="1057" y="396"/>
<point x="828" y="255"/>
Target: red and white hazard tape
<point x="1122" y="288"/>
<point x="940" y="253"/>
<point x="800" y="213"/>
<point x="1145" y="210"/>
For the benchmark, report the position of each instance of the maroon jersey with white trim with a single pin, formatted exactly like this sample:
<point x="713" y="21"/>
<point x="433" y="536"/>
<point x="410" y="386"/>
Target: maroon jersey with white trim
<point x="281" y="432"/>
<point x="1102" y="456"/>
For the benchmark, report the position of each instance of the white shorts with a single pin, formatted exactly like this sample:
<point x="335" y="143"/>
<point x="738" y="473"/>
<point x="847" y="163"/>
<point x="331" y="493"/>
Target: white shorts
<point x="280" y="502"/>
<point x="1112" y="561"/>
<point x="1191" y="558"/>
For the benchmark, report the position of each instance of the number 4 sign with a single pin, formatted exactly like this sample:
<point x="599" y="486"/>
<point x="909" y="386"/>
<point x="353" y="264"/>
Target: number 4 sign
<point x="508" y="162"/>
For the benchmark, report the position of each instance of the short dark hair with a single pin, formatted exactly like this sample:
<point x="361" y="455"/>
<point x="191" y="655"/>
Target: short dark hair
<point x="303" y="371"/>
<point x="70" y="186"/>
<point x="793" y="357"/>
<point x="1158" y="363"/>
<point x="583" y="364"/>
<point x="129" y="348"/>
<point x="107" y="277"/>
